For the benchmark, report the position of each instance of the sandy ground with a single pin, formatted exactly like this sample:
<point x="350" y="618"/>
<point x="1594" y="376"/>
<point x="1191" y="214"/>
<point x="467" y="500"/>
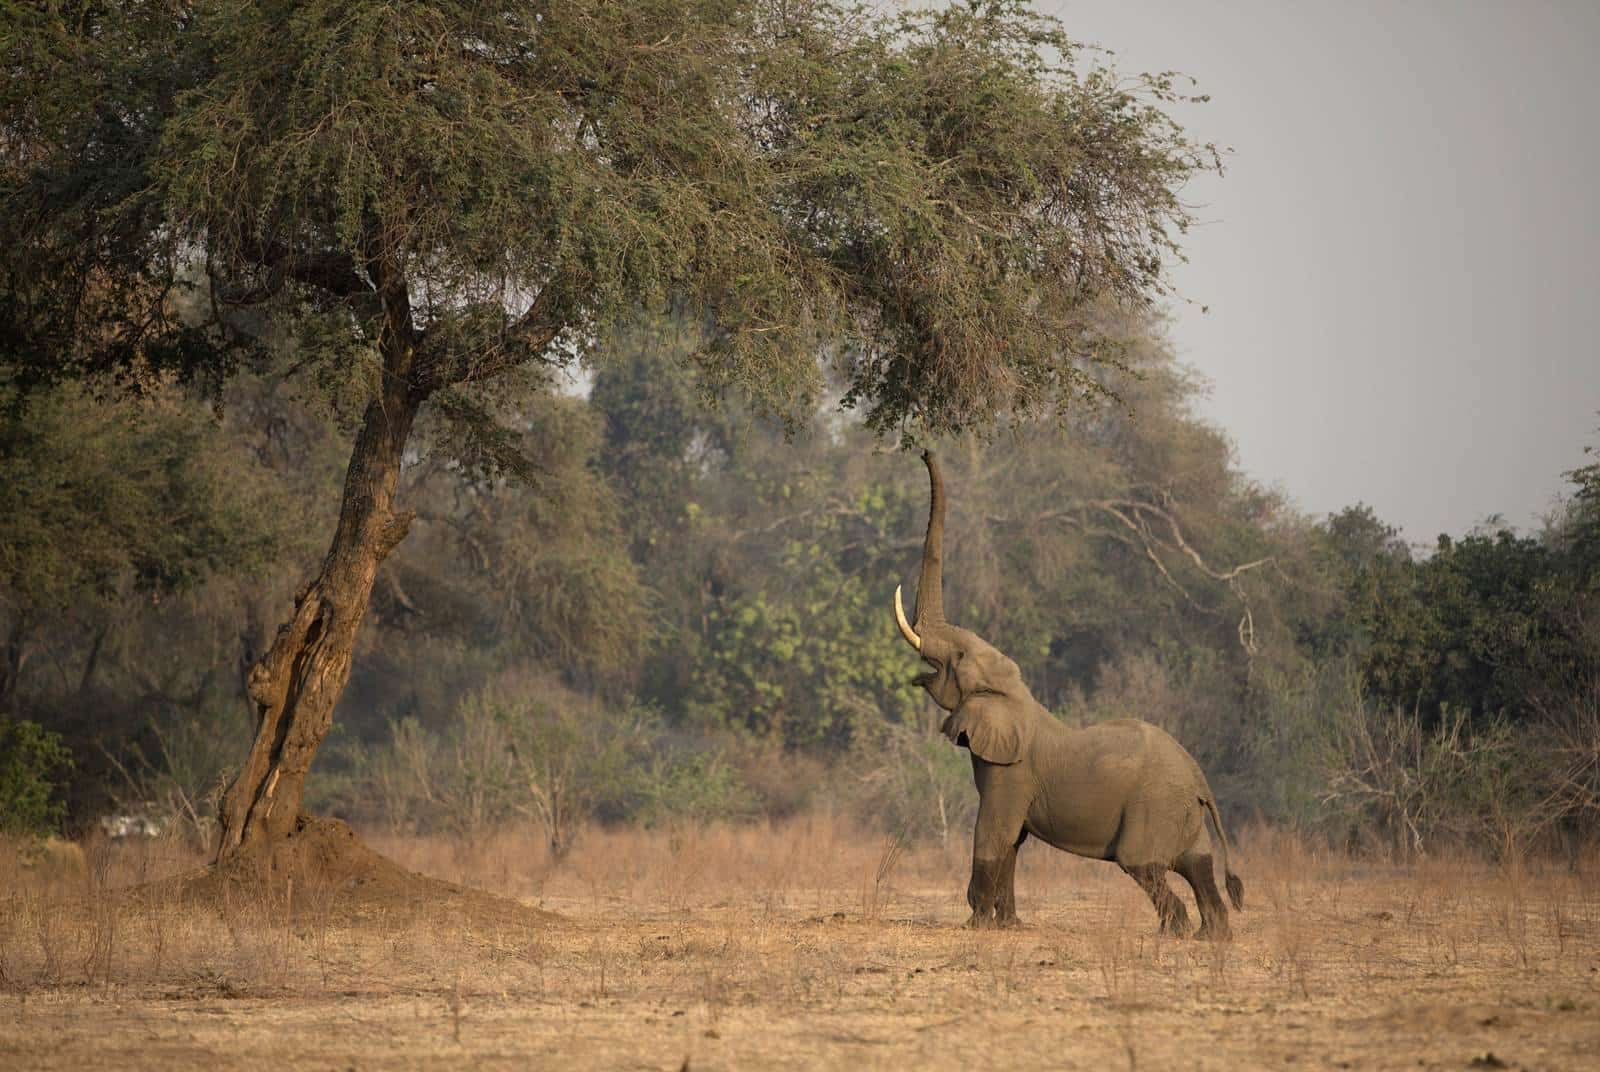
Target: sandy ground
<point x="736" y="950"/>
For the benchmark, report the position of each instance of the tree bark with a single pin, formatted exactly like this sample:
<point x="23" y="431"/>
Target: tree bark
<point x="16" y="654"/>
<point x="295" y="686"/>
<point x="93" y="660"/>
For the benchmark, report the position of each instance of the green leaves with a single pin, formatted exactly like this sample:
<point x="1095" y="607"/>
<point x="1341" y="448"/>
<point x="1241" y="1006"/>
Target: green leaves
<point x="95" y="495"/>
<point x="32" y="761"/>
<point x="812" y="671"/>
<point x="929" y="202"/>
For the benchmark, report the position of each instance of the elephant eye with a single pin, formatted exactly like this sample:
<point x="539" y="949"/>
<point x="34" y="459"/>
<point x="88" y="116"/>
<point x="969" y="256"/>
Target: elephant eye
<point x="957" y="656"/>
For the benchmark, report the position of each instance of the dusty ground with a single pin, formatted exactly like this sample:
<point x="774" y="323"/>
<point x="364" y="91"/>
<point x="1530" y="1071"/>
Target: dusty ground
<point x="718" y="949"/>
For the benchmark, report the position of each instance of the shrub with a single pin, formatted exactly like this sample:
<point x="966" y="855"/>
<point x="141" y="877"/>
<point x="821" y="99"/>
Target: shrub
<point x="528" y="746"/>
<point x="1415" y="781"/>
<point x="912" y="783"/>
<point x="693" y="786"/>
<point x="32" y="761"/>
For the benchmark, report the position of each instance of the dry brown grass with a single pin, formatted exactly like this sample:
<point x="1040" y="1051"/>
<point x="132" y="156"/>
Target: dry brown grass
<point x="814" y="945"/>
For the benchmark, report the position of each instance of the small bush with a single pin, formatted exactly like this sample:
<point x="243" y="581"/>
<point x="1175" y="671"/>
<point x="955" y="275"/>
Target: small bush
<point x="527" y="746"/>
<point x="784" y="782"/>
<point x="32" y="762"/>
<point x="1415" y="782"/>
<point x="909" y="781"/>
<point x="686" y="785"/>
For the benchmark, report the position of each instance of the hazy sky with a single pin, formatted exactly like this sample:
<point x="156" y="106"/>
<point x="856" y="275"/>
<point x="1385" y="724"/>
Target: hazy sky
<point x="1400" y="262"/>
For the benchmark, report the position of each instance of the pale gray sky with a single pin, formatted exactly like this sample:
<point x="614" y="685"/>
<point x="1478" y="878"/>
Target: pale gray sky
<point x="1400" y="261"/>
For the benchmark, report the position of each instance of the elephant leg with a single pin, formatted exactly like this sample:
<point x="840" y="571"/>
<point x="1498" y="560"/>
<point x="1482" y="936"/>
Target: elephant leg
<point x="1196" y="869"/>
<point x="981" y="892"/>
<point x="1152" y="878"/>
<point x="994" y="859"/>
<point x="1005" y="909"/>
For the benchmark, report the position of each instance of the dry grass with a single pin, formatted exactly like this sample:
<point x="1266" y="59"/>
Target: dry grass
<point x="811" y="946"/>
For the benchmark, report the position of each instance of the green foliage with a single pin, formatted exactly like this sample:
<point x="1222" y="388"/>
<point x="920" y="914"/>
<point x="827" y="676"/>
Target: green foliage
<point x="937" y="197"/>
<point x="694" y="786"/>
<point x="1466" y="628"/>
<point x="534" y="568"/>
<point x="528" y="747"/>
<point x="112" y="509"/>
<point x="654" y="422"/>
<point x="1578" y="530"/>
<point x="32" y="762"/>
<point x="95" y="494"/>
<point x="805" y="670"/>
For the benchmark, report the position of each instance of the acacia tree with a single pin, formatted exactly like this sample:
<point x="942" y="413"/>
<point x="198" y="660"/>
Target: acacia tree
<point x="419" y="198"/>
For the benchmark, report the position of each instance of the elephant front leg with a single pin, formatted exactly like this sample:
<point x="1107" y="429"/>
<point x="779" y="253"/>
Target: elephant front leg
<point x="983" y="892"/>
<point x="991" y="892"/>
<point x="1005" y="907"/>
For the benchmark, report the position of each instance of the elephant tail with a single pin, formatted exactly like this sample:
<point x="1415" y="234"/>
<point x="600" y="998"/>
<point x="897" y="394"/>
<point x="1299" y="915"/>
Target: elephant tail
<point x="1235" y="886"/>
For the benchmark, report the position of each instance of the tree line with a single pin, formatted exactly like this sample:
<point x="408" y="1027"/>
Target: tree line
<point x="526" y="384"/>
<point x="680" y="607"/>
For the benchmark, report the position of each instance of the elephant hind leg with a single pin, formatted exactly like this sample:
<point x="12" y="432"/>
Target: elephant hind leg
<point x="1152" y="878"/>
<point x="1196" y="869"/>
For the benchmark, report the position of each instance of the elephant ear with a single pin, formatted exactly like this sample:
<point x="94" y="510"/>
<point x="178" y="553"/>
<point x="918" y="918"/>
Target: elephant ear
<point x="991" y="725"/>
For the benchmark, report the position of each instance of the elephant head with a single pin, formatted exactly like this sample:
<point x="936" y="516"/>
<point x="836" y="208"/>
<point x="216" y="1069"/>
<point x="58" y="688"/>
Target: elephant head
<point x="967" y="675"/>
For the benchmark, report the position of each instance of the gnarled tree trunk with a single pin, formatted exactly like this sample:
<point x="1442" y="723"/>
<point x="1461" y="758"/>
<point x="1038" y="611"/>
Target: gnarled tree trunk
<point x="297" y="683"/>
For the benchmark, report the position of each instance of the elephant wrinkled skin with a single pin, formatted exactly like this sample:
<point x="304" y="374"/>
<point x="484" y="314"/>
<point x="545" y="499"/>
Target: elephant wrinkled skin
<point x="1122" y="790"/>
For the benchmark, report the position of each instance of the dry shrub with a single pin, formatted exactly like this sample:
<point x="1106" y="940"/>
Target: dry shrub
<point x="905" y="780"/>
<point x="784" y="782"/>
<point x="527" y="748"/>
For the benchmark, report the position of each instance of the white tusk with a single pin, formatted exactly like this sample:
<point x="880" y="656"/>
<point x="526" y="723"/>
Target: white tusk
<point x="900" y="619"/>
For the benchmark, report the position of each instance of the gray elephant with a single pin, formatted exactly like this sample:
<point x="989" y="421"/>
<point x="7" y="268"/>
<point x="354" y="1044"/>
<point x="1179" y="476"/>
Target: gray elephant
<point x="1121" y="790"/>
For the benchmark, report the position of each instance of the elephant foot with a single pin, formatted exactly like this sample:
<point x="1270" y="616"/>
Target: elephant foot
<point x="1008" y="923"/>
<point x="1209" y="933"/>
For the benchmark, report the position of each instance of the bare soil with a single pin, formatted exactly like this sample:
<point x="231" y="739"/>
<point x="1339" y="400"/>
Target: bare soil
<point x="785" y="949"/>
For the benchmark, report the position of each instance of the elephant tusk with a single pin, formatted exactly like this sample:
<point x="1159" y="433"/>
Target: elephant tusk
<point x="900" y="619"/>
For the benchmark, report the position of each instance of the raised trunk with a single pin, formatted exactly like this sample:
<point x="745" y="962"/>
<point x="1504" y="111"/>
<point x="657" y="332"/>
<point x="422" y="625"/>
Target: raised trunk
<point x="930" y="587"/>
<point x="295" y="686"/>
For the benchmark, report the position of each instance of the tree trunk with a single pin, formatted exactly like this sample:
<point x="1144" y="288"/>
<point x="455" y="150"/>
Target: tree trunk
<point x="16" y="654"/>
<point x="295" y="686"/>
<point x="93" y="660"/>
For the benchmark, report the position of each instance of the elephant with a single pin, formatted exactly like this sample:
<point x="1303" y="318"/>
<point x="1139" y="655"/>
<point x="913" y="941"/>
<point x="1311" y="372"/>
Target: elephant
<point x="1121" y="790"/>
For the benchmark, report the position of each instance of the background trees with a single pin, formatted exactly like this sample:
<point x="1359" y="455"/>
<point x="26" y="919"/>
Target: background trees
<point x="545" y="313"/>
<point x="683" y="612"/>
<point x="423" y="201"/>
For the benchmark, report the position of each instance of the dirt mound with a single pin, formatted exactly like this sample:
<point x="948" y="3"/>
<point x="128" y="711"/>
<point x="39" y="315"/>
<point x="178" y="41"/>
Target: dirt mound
<point x="323" y="869"/>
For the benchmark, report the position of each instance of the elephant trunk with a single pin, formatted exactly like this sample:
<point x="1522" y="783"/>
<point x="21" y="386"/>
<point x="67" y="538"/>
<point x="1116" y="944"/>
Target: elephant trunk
<point x="930" y="588"/>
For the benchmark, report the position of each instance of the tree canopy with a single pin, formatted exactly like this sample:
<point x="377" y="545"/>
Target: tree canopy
<point x="931" y="198"/>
